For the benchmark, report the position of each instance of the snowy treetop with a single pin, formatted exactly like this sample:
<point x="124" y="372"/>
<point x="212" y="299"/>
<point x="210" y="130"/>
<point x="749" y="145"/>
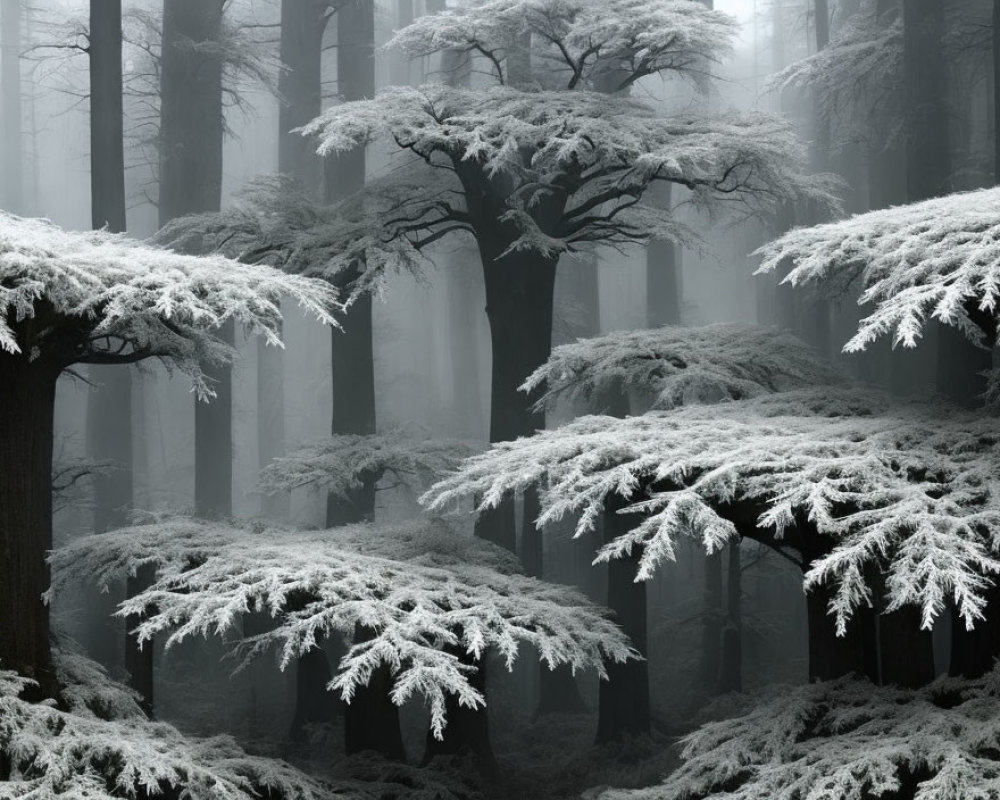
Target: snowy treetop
<point x="674" y="365"/>
<point x="578" y="40"/>
<point x="912" y="488"/>
<point x="98" y="297"/>
<point x="340" y="464"/>
<point x="77" y="753"/>
<point x="844" y="739"/>
<point x="320" y="582"/>
<point x="937" y="259"/>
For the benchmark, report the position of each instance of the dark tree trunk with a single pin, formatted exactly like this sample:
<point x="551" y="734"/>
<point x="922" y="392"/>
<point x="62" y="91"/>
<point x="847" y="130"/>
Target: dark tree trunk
<point x="302" y="25"/>
<point x="27" y="397"/>
<point x="712" y="611"/>
<point x="519" y="295"/>
<point x="139" y="660"/>
<point x="352" y="356"/>
<point x="663" y="273"/>
<point x="623" y="701"/>
<point x="731" y="667"/>
<point x="191" y="132"/>
<point x="314" y="704"/>
<point x="467" y="400"/>
<point x="832" y="656"/>
<point x="12" y="190"/>
<point x="907" y="652"/>
<point x="371" y="719"/>
<point x="468" y="730"/>
<point x="109" y="402"/>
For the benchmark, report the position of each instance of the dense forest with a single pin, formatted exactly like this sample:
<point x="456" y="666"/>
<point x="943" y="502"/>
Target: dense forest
<point x="474" y="399"/>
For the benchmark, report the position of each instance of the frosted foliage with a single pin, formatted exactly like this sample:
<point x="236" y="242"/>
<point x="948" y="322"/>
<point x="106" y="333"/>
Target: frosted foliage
<point x="938" y="259"/>
<point x="673" y="365"/>
<point x="911" y="489"/>
<point x="104" y="298"/>
<point x="845" y="740"/>
<point x="75" y="754"/>
<point x="339" y="464"/>
<point x="321" y="582"/>
<point x="861" y="69"/>
<point x="579" y="41"/>
<point x="583" y="157"/>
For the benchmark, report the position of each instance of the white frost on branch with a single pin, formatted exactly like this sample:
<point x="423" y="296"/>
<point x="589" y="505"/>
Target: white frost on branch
<point x="98" y="297"/>
<point x="675" y="365"/>
<point x="938" y="259"/>
<point x="578" y="42"/>
<point x="316" y="583"/>
<point x="342" y="463"/>
<point x="911" y="489"/>
<point x="50" y="753"/>
<point x="841" y="740"/>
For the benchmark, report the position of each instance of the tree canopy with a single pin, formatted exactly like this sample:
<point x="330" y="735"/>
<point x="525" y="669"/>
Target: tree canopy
<point x="97" y="297"/>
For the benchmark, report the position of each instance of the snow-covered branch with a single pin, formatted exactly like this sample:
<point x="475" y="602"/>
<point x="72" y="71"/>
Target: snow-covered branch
<point x="99" y="297"/>
<point x="417" y="599"/>
<point x="675" y="366"/>
<point x="911" y="489"/>
<point x="339" y="464"/>
<point x="938" y="259"/>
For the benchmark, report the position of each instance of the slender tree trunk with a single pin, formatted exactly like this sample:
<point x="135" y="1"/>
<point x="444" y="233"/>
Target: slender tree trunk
<point x="623" y="701"/>
<point x="301" y="51"/>
<point x="731" y="667"/>
<point x="663" y="273"/>
<point x="10" y="106"/>
<point x="352" y="356"/>
<point x="711" y="631"/>
<point x="27" y="397"/>
<point x="191" y="133"/>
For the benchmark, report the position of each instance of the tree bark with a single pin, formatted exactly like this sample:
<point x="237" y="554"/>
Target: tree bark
<point x="663" y="273"/>
<point x="468" y="730"/>
<point x="352" y="357"/>
<point x="191" y="133"/>
<point x="371" y="719"/>
<point x="109" y="401"/>
<point x="27" y="397"/>
<point x="10" y="110"/>
<point x="711" y="631"/>
<point x="623" y="700"/>
<point x="731" y="666"/>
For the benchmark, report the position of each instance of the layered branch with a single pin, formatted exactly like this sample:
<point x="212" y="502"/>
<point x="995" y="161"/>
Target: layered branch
<point x="909" y="489"/>
<point x="328" y="582"/>
<point x="938" y="259"/>
<point x="673" y="366"/>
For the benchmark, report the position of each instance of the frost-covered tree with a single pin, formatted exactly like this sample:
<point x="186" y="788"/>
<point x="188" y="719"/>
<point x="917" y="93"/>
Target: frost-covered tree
<point x="535" y="168"/>
<point x="426" y="594"/>
<point x="97" y="298"/>
<point x="835" y="490"/>
<point x="844" y="739"/>
<point x="673" y="366"/>
<point x="339" y="465"/>
<point x="99" y="745"/>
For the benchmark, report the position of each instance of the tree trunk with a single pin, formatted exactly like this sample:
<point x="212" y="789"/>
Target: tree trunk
<point x="371" y="719"/>
<point x="314" y="704"/>
<point x="711" y="631"/>
<point x="907" y="652"/>
<point x="623" y="701"/>
<point x="519" y="295"/>
<point x="10" y="106"/>
<point x="468" y="730"/>
<point x="731" y="667"/>
<point x="109" y="401"/>
<point x="191" y="132"/>
<point x="832" y="656"/>
<point x="27" y="397"/>
<point x="352" y="357"/>
<point x="663" y="273"/>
